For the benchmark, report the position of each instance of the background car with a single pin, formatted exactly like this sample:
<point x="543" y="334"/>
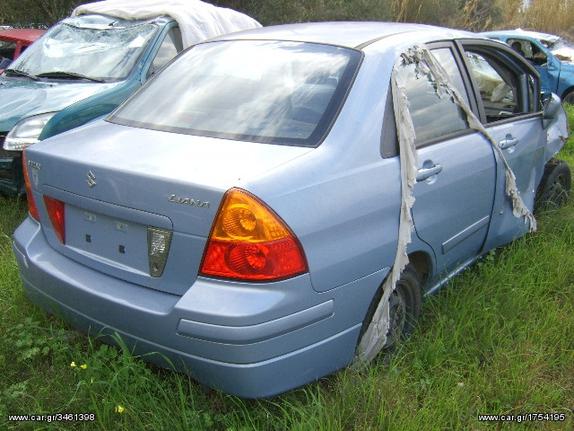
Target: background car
<point x="13" y="41"/>
<point x="551" y="55"/>
<point x="86" y="65"/>
<point x="240" y="213"/>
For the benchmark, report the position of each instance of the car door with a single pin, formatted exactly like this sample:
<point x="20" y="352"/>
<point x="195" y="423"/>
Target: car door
<point x="456" y="178"/>
<point x="507" y="90"/>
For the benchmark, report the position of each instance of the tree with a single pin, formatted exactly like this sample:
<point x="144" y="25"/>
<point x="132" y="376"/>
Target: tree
<point x="35" y="13"/>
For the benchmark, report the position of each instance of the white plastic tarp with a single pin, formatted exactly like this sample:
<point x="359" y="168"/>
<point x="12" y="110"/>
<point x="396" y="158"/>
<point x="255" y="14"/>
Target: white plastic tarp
<point x="375" y="337"/>
<point x="197" y="20"/>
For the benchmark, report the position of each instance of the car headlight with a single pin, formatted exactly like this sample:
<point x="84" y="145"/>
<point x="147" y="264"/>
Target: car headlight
<point x="26" y="132"/>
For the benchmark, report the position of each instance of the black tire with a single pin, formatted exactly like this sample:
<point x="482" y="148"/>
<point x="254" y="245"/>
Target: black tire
<point x="554" y="188"/>
<point x="568" y="98"/>
<point x="406" y="305"/>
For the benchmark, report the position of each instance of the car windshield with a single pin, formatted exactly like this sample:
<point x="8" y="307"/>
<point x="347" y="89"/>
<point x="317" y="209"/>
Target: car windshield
<point x="92" y="52"/>
<point x="258" y="91"/>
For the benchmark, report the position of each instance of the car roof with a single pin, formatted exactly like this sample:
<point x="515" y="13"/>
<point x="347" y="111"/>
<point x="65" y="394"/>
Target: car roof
<point x="28" y="35"/>
<point x="523" y="33"/>
<point x="351" y="34"/>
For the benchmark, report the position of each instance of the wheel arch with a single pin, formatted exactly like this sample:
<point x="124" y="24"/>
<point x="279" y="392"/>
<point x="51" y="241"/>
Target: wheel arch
<point x="422" y="262"/>
<point x="568" y="90"/>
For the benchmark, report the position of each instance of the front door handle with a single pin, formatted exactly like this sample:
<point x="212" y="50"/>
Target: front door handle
<point x="425" y="173"/>
<point x="508" y="142"/>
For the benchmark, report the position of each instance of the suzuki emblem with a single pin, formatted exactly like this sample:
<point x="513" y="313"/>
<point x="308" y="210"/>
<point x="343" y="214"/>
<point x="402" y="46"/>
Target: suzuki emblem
<point x="91" y="179"/>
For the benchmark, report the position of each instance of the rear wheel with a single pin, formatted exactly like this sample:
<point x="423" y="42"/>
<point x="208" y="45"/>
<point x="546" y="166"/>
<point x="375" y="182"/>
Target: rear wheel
<point x="554" y="188"/>
<point x="404" y="307"/>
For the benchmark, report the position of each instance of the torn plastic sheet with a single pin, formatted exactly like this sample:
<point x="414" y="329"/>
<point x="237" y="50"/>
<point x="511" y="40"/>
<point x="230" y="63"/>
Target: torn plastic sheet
<point x="375" y="337"/>
<point x="197" y="20"/>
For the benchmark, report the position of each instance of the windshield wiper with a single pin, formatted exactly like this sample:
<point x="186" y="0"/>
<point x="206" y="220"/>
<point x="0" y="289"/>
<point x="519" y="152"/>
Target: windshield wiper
<point x="68" y="75"/>
<point x="18" y="72"/>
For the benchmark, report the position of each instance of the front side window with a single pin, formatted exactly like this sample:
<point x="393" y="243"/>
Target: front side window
<point x="258" y="91"/>
<point x="433" y="116"/>
<point x="68" y="49"/>
<point x="497" y="85"/>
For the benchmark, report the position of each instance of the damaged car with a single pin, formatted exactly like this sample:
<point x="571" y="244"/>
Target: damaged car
<point x="275" y="204"/>
<point x="89" y="63"/>
<point x="14" y="41"/>
<point x="551" y="55"/>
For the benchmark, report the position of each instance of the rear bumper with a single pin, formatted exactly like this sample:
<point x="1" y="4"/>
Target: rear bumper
<point x="251" y="341"/>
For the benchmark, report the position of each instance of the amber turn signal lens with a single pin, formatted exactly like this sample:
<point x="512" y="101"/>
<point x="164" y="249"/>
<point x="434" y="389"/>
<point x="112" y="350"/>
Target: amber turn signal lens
<point x="32" y="208"/>
<point x="249" y="242"/>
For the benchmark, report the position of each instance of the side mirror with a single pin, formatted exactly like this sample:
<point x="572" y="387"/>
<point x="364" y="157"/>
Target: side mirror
<point x="551" y="104"/>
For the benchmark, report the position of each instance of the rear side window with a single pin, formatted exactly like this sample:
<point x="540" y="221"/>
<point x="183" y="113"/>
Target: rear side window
<point x="257" y="91"/>
<point x="433" y="117"/>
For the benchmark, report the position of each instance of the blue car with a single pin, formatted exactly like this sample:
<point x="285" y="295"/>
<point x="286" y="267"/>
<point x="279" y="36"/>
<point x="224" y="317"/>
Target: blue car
<point x="552" y="56"/>
<point x="242" y="214"/>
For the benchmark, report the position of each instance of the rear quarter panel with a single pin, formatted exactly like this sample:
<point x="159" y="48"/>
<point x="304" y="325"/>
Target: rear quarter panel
<point x="342" y="199"/>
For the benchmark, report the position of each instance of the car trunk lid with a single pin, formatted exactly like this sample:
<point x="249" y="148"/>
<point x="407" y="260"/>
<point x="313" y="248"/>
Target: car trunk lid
<point x="121" y="185"/>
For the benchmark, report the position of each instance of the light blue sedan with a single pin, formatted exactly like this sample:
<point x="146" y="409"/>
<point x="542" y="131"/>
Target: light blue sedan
<point x="241" y="213"/>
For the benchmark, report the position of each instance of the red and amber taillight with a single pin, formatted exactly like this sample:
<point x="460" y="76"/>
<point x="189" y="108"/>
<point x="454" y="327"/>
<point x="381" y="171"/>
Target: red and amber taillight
<point x="32" y="208"/>
<point x="54" y="207"/>
<point x="56" y="212"/>
<point x="249" y="242"/>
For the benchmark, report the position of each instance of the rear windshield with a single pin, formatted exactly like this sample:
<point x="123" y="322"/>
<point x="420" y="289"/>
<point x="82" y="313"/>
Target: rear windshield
<point x="257" y="91"/>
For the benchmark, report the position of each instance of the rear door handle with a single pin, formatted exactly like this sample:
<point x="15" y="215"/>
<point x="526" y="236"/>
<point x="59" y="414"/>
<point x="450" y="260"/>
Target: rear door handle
<point x="508" y="142"/>
<point x="426" y="173"/>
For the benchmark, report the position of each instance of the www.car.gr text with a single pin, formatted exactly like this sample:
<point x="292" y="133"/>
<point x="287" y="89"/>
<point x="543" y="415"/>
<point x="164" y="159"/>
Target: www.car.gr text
<point x="523" y="417"/>
<point x="55" y="417"/>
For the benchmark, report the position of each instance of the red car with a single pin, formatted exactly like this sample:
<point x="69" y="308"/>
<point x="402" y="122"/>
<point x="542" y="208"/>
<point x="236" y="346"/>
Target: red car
<point x="15" y="40"/>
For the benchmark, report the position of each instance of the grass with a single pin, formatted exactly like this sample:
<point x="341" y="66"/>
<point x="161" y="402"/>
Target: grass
<point x="498" y="339"/>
